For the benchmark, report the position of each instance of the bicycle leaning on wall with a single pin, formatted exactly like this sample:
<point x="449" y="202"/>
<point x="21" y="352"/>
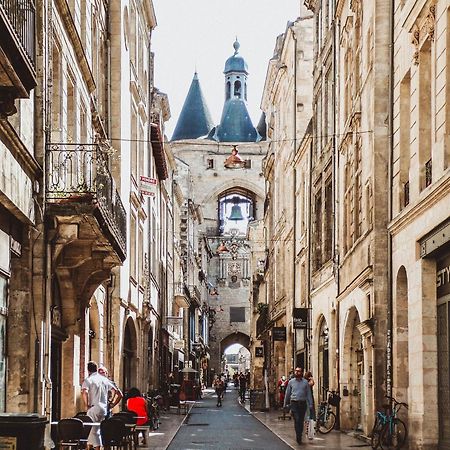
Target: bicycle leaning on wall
<point x="325" y="416"/>
<point x="388" y="430"/>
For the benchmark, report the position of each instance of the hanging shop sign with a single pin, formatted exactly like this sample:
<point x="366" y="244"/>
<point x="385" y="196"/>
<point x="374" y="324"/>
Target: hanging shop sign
<point x="279" y="333"/>
<point x="259" y="352"/>
<point x="147" y="186"/>
<point x="300" y="318"/>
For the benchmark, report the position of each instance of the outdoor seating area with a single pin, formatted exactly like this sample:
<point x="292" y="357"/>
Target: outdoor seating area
<point x="119" y="432"/>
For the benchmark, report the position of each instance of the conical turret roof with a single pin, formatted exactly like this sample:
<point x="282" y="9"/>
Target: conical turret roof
<point x="195" y="119"/>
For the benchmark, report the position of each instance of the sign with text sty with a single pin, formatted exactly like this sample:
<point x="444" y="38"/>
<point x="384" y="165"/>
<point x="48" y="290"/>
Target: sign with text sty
<point x="279" y="333"/>
<point x="147" y="186"/>
<point x="300" y="318"/>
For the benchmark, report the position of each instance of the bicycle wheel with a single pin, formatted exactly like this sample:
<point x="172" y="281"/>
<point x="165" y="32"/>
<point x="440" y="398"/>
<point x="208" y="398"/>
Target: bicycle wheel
<point x="325" y="426"/>
<point x="375" y="439"/>
<point x="395" y="434"/>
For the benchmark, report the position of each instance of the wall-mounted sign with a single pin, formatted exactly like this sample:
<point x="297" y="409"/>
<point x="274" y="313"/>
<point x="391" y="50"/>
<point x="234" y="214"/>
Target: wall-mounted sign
<point x="443" y="277"/>
<point x="300" y="318"/>
<point x="8" y="443"/>
<point x="178" y="344"/>
<point x="147" y="186"/>
<point x="279" y="333"/>
<point x="175" y="321"/>
<point x="259" y="352"/>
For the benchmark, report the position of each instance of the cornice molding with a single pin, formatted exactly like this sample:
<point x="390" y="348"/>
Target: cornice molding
<point x="414" y="210"/>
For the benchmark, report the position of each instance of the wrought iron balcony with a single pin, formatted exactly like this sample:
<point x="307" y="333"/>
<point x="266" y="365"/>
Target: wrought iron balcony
<point x="17" y="55"/>
<point x="406" y="194"/>
<point x="428" y="172"/>
<point x="78" y="180"/>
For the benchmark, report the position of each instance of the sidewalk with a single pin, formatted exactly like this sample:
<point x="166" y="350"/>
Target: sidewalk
<point x="284" y="429"/>
<point x="170" y="424"/>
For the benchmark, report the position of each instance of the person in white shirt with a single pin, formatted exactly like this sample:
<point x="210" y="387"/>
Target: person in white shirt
<point x="95" y="391"/>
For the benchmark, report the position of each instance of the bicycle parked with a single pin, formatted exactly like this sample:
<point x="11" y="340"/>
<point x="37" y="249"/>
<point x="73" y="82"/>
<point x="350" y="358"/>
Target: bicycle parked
<point x="388" y="430"/>
<point x="155" y="402"/>
<point x="326" y="418"/>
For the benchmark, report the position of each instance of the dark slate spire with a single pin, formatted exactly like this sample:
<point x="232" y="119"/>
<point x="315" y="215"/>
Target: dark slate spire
<point x="235" y="124"/>
<point x="195" y="120"/>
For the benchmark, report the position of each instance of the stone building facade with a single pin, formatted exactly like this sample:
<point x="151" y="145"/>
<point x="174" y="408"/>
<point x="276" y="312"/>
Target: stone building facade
<point x="73" y="207"/>
<point x="419" y="220"/>
<point x="287" y="103"/>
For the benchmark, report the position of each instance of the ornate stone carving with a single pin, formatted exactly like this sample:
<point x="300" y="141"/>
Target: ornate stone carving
<point x="431" y="21"/>
<point x="415" y="40"/>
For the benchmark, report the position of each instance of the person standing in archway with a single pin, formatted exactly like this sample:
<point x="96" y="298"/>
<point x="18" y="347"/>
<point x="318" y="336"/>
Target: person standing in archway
<point x="298" y="397"/>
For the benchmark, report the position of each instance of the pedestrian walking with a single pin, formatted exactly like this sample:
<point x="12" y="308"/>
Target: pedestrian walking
<point x="219" y="388"/>
<point x="311" y="412"/>
<point x="242" y="387"/>
<point x="298" y="397"/>
<point x="94" y="391"/>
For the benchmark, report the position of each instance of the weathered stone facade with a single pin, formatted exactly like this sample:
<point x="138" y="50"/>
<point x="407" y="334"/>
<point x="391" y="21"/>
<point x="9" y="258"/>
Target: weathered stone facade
<point x="419" y="222"/>
<point x="287" y="102"/>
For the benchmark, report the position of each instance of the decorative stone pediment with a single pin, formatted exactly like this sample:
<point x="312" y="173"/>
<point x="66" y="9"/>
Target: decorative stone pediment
<point x="423" y="29"/>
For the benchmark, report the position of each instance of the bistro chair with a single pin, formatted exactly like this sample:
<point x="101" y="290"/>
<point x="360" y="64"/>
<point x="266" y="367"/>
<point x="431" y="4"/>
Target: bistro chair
<point x="113" y="432"/>
<point x="130" y="419"/>
<point x="86" y="429"/>
<point x="70" y="434"/>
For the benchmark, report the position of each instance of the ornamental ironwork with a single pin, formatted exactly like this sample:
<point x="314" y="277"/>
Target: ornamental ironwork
<point x="79" y="173"/>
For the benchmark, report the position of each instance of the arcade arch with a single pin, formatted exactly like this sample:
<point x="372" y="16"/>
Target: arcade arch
<point x="129" y="376"/>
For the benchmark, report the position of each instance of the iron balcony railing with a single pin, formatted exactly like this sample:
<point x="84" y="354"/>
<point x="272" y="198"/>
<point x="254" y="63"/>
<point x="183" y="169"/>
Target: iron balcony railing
<point x="22" y="15"/>
<point x="79" y="173"/>
<point x="406" y="193"/>
<point x="428" y="172"/>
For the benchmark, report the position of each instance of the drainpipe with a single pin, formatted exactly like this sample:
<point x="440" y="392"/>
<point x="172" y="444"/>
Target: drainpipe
<point x="335" y="193"/>
<point x="294" y="205"/>
<point x="389" y="372"/>
<point x="46" y="388"/>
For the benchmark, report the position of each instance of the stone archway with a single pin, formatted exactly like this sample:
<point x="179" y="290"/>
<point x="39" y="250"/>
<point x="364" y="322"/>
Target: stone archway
<point x="129" y="355"/>
<point x="233" y="338"/>
<point x="323" y="369"/>
<point x="353" y="380"/>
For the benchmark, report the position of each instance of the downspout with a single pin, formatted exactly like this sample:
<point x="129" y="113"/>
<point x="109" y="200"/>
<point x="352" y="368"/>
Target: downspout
<point x="47" y="264"/>
<point x="294" y="206"/>
<point x="389" y="372"/>
<point x="335" y="194"/>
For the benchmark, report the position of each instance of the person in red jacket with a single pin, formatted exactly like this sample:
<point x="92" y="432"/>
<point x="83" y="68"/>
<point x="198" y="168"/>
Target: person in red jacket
<point x="137" y="404"/>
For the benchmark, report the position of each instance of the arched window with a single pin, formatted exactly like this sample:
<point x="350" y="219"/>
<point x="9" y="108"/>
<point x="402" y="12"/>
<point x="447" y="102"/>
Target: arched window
<point x="228" y="91"/>
<point x="237" y="89"/>
<point x="245" y="91"/>
<point x="236" y="210"/>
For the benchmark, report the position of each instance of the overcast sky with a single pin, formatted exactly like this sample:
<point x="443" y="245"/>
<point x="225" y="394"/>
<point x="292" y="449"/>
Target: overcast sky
<point x="199" y="34"/>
